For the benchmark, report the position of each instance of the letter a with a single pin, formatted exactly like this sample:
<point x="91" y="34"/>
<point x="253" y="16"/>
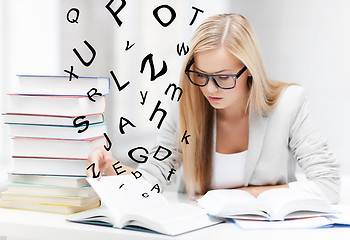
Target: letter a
<point x="121" y="125"/>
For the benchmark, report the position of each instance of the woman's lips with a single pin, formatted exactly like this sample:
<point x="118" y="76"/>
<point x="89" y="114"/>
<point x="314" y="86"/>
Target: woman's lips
<point x="215" y="99"/>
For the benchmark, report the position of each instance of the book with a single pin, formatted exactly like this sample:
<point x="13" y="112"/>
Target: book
<point x="340" y="219"/>
<point x="50" y="208"/>
<point x="55" y="148"/>
<point x="63" y="181"/>
<point x="273" y="204"/>
<point x="61" y="85"/>
<point x="302" y="223"/>
<point x="27" y="188"/>
<point x="49" y="120"/>
<point x="48" y="199"/>
<point x="54" y="105"/>
<point x="48" y="166"/>
<point x="61" y="132"/>
<point x="130" y="203"/>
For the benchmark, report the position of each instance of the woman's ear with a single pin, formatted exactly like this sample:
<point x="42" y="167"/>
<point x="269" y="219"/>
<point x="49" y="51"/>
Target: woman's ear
<point x="249" y="74"/>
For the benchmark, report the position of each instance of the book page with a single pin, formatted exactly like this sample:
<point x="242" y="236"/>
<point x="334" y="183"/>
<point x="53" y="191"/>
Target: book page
<point x="125" y="194"/>
<point x="96" y="216"/>
<point x="172" y="219"/>
<point x="303" y="223"/>
<point x="284" y="201"/>
<point x="230" y="203"/>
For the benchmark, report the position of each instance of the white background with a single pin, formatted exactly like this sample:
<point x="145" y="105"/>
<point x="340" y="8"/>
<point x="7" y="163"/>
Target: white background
<point x="302" y="41"/>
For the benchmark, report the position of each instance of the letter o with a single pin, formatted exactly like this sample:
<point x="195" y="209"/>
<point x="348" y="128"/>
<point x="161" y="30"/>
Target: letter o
<point x="172" y="12"/>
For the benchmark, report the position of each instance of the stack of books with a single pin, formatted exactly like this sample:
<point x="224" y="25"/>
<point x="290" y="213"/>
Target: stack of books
<point x="54" y="124"/>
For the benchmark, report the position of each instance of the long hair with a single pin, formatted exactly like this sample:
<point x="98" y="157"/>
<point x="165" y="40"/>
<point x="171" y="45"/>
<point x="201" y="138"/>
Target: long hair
<point x="233" y="32"/>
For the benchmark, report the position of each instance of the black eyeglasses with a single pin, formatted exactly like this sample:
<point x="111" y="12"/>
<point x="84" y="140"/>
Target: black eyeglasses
<point x="223" y="81"/>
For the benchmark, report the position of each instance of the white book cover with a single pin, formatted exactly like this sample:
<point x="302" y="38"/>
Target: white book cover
<point x="60" y="85"/>
<point x="48" y="166"/>
<point x="55" y="105"/>
<point x="61" y="132"/>
<point x="55" y="148"/>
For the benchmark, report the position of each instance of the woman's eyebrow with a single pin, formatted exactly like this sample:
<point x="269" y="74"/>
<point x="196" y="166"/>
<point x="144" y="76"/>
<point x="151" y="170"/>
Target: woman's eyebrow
<point x="214" y="72"/>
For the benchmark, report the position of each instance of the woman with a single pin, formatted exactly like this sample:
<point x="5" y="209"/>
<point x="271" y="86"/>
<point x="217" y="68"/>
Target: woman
<point x="246" y="131"/>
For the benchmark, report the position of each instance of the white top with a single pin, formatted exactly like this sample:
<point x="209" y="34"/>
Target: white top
<point x="228" y="170"/>
<point x="284" y="137"/>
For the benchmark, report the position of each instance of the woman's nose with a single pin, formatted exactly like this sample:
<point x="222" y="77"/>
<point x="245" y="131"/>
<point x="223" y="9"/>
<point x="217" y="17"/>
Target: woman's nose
<point x="211" y="87"/>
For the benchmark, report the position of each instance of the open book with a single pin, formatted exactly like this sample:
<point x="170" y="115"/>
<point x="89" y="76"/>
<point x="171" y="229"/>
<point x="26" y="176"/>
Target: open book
<point x="131" y="203"/>
<point x="274" y="204"/>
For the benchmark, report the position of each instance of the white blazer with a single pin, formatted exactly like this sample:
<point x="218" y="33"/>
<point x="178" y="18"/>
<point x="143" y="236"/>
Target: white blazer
<point x="277" y="142"/>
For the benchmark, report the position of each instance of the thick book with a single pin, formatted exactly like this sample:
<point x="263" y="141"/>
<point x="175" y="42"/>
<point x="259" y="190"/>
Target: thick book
<point x="49" y="120"/>
<point x="48" y="166"/>
<point x="273" y="204"/>
<point x="61" y="85"/>
<point x="61" y="132"/>
<point x="48" y="199"/>
<point x="55" y="148"/>
<point x="26" y="188"/>
<point x="130" y="203"/>
<point x="63" y="181"/>
<point x="55" y="105"/>
<point x="49" y="208"/>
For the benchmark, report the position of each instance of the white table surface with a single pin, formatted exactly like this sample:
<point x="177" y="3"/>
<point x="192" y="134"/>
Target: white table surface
<point x="21" y="225"/>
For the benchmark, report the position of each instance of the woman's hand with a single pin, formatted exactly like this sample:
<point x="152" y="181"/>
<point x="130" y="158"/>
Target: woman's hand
<point x="100" y="162"/>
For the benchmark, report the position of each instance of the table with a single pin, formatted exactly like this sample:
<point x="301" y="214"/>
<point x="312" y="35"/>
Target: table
<point x="28" y="225"/>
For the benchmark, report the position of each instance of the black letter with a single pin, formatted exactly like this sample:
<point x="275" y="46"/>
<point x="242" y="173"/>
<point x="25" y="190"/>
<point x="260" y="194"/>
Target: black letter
<point x="175" y="88"/>
<point x="145" y="195"/>
<point x="145" y="157"/>
<point x="172" y="12"/>
<point x="179" y="50"/>
<point x="184" y="137"/>
<point x="108" y="141"/>
<point x="171" y="172"/>
<point x="93" y="171"/>
<point x="128" y="47"/>
<point x="116" y="81"/>
<point x="156" y="187"/>
<point x="115" y="14"/>
<point x="149" y="58"/>
<point x="137" y="174"/>
<point x="86" y="64"/>
<point x="158" y="149"/>
<point x="156" y="109"/>
<point x="86" y="123"/>
<point x="71" y="73"/>
<point x="73" y="20"/>
<point x="195" y="14"/>
<point x="143" y="97"/>
<point x="91" y="95"/>
<point x="121" y="126"/>
<point x="116" y="169"/>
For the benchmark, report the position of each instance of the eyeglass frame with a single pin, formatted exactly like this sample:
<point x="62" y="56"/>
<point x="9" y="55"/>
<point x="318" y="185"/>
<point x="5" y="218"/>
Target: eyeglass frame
<point x="212" y="77"/>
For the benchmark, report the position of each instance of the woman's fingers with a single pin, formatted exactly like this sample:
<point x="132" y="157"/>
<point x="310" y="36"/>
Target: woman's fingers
<point x="106" y="161"/>
<point x="93" y="163"/>
<point x="98" y="162"/>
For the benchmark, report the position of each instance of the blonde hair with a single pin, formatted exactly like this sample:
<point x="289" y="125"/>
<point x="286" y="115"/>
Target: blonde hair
<point x="196" y="115"/>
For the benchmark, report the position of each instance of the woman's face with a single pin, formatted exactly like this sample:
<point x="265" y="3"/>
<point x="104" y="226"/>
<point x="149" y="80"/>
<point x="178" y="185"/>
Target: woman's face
<point x="220" y="61"/>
